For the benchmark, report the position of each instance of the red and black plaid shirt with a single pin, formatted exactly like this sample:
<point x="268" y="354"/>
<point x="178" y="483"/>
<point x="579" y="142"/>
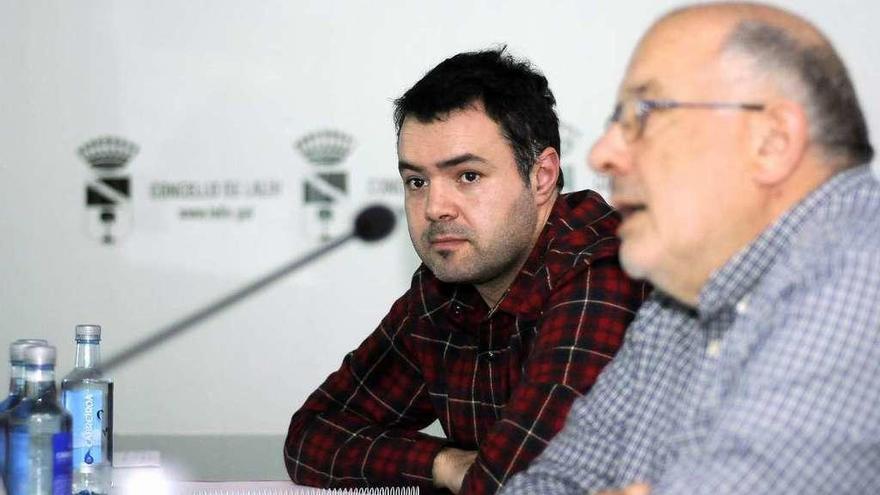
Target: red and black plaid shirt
<point x="500" y="380"/>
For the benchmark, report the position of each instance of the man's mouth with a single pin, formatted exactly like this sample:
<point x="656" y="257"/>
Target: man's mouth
<point x="445" y="237"/>
<point x="627" y="210"/>
<point x="445" y="241"/>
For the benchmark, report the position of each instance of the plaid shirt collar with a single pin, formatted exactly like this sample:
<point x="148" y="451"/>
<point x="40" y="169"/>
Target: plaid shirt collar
<point x="733" y="282"/>
<point x="520" y="299"/>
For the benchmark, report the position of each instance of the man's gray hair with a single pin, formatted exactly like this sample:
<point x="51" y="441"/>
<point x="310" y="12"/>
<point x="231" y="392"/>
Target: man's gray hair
<point x="836" y="120"/>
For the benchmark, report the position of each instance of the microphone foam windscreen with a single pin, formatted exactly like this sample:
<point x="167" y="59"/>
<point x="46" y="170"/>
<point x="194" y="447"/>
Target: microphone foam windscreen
<point x="374" y="223"/>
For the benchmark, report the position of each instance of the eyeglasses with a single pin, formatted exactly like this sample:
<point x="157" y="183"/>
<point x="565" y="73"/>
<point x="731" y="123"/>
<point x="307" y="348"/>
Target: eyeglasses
<point x="632" y="115"/>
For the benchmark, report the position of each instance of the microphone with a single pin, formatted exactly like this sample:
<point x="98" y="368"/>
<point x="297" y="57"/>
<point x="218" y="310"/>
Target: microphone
<point x="371" y="224"/>
<point x="374" y="223"/>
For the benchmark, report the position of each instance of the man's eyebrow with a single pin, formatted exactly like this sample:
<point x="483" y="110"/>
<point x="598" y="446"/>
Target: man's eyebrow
<point x="405" y="165"/>
<point x="458" y="160"/>
<point x="448" y="163"/>
<point x="641" y="88"/>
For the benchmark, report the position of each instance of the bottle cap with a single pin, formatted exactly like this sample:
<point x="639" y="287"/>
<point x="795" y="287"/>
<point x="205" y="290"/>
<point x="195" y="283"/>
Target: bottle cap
<point x="16" y="349"/>
<point x="39" y="355"/>
<point x="90" y="332"/>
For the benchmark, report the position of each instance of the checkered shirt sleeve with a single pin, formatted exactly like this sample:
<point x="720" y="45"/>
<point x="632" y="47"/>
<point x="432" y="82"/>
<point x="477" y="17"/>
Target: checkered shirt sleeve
<point x="582" y="458"/>
<point x="581" y="330"/>
<point x="361" y="426"/>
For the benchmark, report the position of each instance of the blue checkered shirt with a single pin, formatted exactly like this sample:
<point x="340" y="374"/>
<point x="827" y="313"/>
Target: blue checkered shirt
<point x="771" y="386"/>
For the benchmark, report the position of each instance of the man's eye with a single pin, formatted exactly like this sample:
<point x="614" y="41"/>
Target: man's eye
<point x="414" y="183"/>
<point x="470" y="177"/>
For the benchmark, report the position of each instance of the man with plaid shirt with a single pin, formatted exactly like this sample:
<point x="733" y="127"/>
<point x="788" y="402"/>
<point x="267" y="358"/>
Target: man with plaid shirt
<point x="738" y="158"/>
<point x="518" y="305"/>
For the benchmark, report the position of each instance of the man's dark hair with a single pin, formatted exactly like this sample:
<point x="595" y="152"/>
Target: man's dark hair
<point x="829" y="98"/>
<point x="515" y="95"/>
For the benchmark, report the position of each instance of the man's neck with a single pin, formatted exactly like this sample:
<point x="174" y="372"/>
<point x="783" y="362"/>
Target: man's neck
<point x="493" y="291"/>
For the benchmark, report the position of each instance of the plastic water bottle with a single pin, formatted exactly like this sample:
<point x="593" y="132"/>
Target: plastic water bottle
<point x="90" y="402"/>
<point x="16" y="391"/>
<point x="16" y="371"/>
<point x="39" y="460"/>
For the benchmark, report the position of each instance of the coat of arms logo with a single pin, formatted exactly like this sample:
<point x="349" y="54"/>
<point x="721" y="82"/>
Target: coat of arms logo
<point x="327" y="183"/>
<point x="108" y="193"/>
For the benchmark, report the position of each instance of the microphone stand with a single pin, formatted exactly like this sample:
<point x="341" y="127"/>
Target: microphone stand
<point x="208" y="310"/>
<point x="371" y="224"/>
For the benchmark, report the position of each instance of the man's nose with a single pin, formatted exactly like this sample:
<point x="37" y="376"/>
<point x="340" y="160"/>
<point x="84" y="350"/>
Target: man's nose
<point x="610" y="153"/>
<point x="441" y="205"/>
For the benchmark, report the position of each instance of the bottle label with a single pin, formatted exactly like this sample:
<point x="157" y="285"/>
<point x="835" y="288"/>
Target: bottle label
<point x="18" y="468"/>
<point x="62" y="464"/>
<point x="22" y="463"/>
<point x="87" y="408"/>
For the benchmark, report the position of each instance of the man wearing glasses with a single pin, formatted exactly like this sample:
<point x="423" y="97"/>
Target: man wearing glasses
<point x="736" y="155"/>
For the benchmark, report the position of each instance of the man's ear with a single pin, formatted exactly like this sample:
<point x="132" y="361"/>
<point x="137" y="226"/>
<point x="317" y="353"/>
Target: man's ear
<point x="544" y="175"/>
<point x="780" y="138"/>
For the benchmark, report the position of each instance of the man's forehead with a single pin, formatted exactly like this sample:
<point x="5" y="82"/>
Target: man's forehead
<point x="468" y="131"/>
<point x="673" y="52"/>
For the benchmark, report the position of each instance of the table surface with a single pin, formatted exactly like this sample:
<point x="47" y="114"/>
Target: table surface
<point x="212" y="457"/>
<point x="228" y="457"/>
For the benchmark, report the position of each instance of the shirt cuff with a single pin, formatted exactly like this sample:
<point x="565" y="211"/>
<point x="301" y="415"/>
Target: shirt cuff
<point x="418" y="460"/>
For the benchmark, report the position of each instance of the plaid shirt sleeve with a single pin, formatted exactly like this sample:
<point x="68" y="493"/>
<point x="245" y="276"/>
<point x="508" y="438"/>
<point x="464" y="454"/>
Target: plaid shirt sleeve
<point x="582" y="327"/>
<point x="583" y="457"/>
<point x="361" y="426"/>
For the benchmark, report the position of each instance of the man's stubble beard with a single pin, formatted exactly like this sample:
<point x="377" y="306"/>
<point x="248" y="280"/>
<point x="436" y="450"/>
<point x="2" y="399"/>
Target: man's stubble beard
<point x="484" y="259"/>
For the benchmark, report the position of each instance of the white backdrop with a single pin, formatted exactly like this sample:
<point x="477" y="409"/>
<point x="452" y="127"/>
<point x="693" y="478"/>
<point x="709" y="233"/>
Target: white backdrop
<point x="215" y="94"/>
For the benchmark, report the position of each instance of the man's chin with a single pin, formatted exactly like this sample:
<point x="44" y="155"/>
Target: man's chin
<point x="449" y="272"/>
<point x="634" y="264"/>
<point x="451" y="276"/>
